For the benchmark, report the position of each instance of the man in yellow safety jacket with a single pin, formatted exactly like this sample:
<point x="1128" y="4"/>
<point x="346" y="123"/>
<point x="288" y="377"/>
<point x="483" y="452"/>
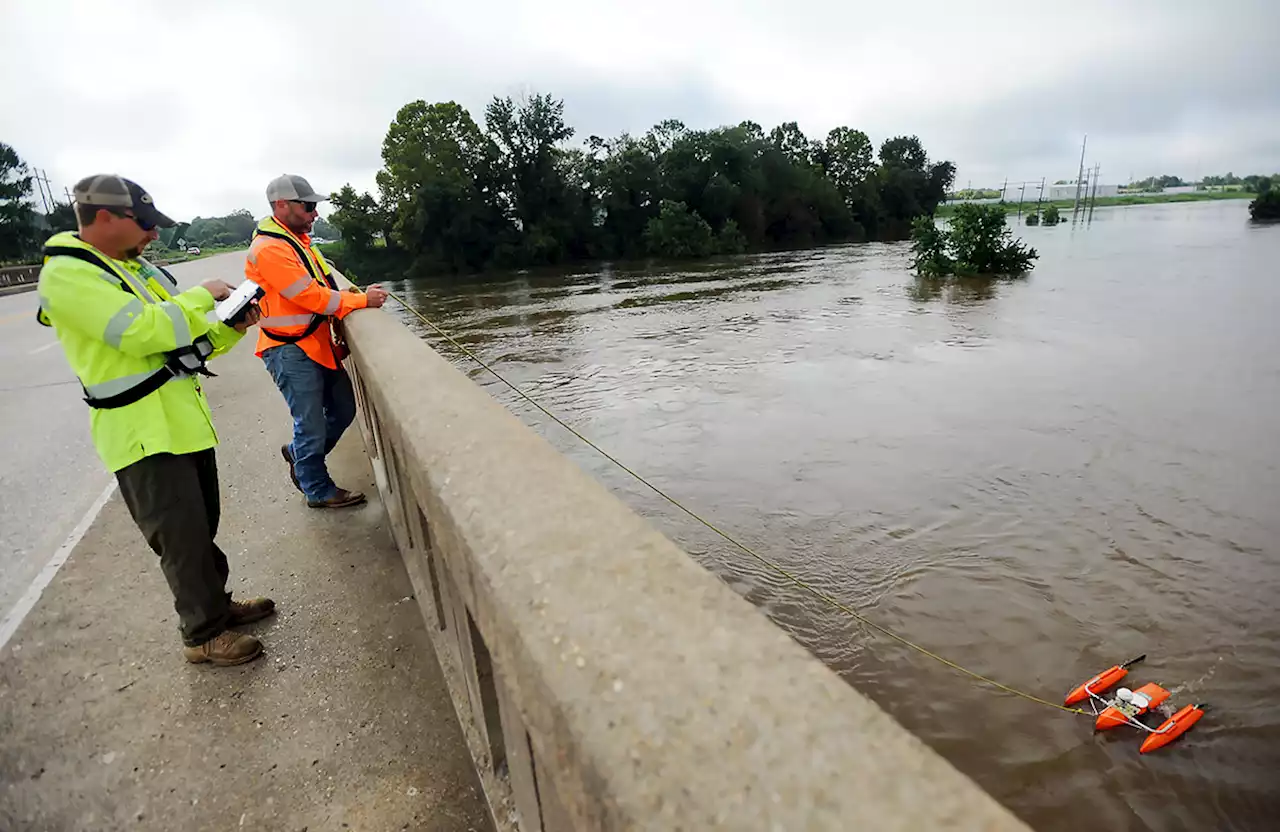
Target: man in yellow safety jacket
<point x="296" y="340"/>
<point x="138" y="347"/>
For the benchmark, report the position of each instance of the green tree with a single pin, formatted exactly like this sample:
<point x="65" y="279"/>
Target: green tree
<point x="730" y="239"/>
<point x="791" y="142"/>
<point x="981" y="243"/>
<point x="1221" y="181"/>
<point x="929" y="244"/>
<point x="1157" y="183"/>
<point x="356" y="217"/>
<point x="326" y="230"/>
<point x="532" y="177"/>
<point x="908" y="186"/>
<point x="18" y="241"/>
<point x="169" y="237"/>
<point x="848" y="158"/>
<point x="233" y="229"/>
<point x="904" y="152"/>
<point x="240" y="225"/>
<point x="442" y="197"/>
<point x="678" y="233"/>
<point x="1051" y="215"/>
<point x="627" y="182"/>
<point x="62" y="218"/>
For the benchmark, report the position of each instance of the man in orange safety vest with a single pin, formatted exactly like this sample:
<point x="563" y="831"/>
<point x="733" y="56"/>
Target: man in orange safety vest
<point x="296" y="339"/>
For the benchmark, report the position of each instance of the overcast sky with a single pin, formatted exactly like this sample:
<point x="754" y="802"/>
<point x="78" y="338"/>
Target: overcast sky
<point x="204" y="102"/>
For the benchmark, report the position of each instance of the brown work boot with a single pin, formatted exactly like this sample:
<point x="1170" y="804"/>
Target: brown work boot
<point x="247" y="612"/>
<point x="225" y="649"/>
<point x="288" y="457"/>
<point x="342" y="499"/>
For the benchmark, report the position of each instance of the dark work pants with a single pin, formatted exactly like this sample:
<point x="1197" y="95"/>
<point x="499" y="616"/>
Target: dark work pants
<point x="174" y="501"/>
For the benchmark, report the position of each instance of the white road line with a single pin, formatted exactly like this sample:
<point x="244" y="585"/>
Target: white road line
<point x="45" y="347"/>
<point x="29" y="598"/>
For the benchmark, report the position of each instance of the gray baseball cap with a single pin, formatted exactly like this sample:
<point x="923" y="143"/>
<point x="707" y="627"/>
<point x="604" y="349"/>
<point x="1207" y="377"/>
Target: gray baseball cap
<point x="292" y="187"/>
<point x="106" y="190"/>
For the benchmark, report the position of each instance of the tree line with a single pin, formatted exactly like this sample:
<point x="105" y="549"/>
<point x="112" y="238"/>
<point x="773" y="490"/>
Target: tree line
<point x="455" y="195"/>
<point x="23" y="229"/>
<point x="1250" y="183"/>
<point x="236" y="229"/>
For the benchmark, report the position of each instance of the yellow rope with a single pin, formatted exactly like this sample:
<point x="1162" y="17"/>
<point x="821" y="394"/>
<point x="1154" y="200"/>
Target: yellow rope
<point x="790" y="576"/>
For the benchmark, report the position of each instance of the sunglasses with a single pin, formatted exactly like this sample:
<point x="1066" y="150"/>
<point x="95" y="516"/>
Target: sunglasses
<point x="306" y="206"/>
<point x="143" y="224"/>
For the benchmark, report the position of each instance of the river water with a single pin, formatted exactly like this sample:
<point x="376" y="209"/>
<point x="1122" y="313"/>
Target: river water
<point x="1035" y="478"/>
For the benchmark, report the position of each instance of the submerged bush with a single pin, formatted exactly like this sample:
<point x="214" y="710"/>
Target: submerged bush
<point x="976" y="242"/>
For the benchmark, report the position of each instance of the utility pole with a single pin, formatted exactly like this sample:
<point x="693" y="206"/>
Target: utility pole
<point x="1021" y="190"/>
<point x="1093" y="202"/>
<point x="67" y="191"/>
<point x="42" y="183"/>
<point x="1040" y="198"/>
<point x="1079" y="176"/>
<point x="1004" y="188"/>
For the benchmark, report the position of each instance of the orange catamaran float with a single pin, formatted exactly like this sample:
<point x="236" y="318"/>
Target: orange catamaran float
<point x="1127" y="706"/>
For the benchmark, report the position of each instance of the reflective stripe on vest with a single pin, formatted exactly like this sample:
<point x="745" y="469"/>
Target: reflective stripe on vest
<point x="124" y="384"/>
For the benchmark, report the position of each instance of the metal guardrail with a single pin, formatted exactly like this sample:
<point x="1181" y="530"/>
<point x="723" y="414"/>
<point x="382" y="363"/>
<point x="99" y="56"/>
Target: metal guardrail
<point x="18" y="275"/>
<point x="603" y="679"/>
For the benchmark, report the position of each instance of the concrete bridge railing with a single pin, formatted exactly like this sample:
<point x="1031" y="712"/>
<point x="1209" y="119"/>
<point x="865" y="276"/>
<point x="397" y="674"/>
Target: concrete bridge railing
<point x="603" y="678"/>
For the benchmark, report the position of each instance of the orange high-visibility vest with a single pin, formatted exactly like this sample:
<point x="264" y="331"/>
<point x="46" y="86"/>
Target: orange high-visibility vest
<point x="301" y="298"/>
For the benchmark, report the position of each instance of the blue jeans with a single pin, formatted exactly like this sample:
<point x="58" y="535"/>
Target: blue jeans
<point x="323" y="405"/>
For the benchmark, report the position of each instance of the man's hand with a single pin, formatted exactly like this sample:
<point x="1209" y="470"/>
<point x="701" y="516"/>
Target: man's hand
<point x="376" y="294"/>
<point x="220" y="289"/>
<point x="251" y="317"/>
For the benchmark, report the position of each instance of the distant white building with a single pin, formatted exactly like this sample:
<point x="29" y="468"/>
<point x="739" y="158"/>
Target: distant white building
<point x="1030" y="192"/>
<point x="1055" y="192"/>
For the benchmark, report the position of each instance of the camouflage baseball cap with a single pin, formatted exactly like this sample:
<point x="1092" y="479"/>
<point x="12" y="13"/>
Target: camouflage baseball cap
<point x="294" y="188"/>
<point x="106" y="190"/>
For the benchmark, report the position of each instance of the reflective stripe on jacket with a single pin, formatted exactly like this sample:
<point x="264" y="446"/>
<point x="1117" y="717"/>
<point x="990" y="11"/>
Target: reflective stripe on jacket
<point x="113" y="338"/>
<point x="300" y="297"/>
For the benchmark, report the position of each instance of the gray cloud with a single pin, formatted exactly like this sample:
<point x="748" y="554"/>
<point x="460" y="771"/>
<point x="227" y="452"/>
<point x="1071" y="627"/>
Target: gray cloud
<point x="218" y="98"/>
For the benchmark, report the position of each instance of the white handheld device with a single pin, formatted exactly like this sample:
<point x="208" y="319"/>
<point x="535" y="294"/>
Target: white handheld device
<point x="231" y="311"/>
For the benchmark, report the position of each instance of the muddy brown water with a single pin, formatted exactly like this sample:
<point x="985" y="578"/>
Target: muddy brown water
<point x="1035" y="478"/>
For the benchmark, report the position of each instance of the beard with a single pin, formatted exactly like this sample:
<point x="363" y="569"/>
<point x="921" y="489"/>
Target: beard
<point x="135" y="252"/>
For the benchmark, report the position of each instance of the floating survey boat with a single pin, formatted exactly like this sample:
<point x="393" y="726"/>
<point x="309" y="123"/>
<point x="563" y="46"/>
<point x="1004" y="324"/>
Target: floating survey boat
<point x="1127" y="707"/>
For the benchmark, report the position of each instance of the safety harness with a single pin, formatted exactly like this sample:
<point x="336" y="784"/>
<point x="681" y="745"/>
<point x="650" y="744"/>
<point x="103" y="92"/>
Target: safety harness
<point x="322" y="278"/>
<point x="179" y="363"/>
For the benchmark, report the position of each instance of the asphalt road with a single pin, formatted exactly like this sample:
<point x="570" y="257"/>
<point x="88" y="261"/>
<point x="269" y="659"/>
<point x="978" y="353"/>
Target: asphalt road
<point x="50" y="474"/>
